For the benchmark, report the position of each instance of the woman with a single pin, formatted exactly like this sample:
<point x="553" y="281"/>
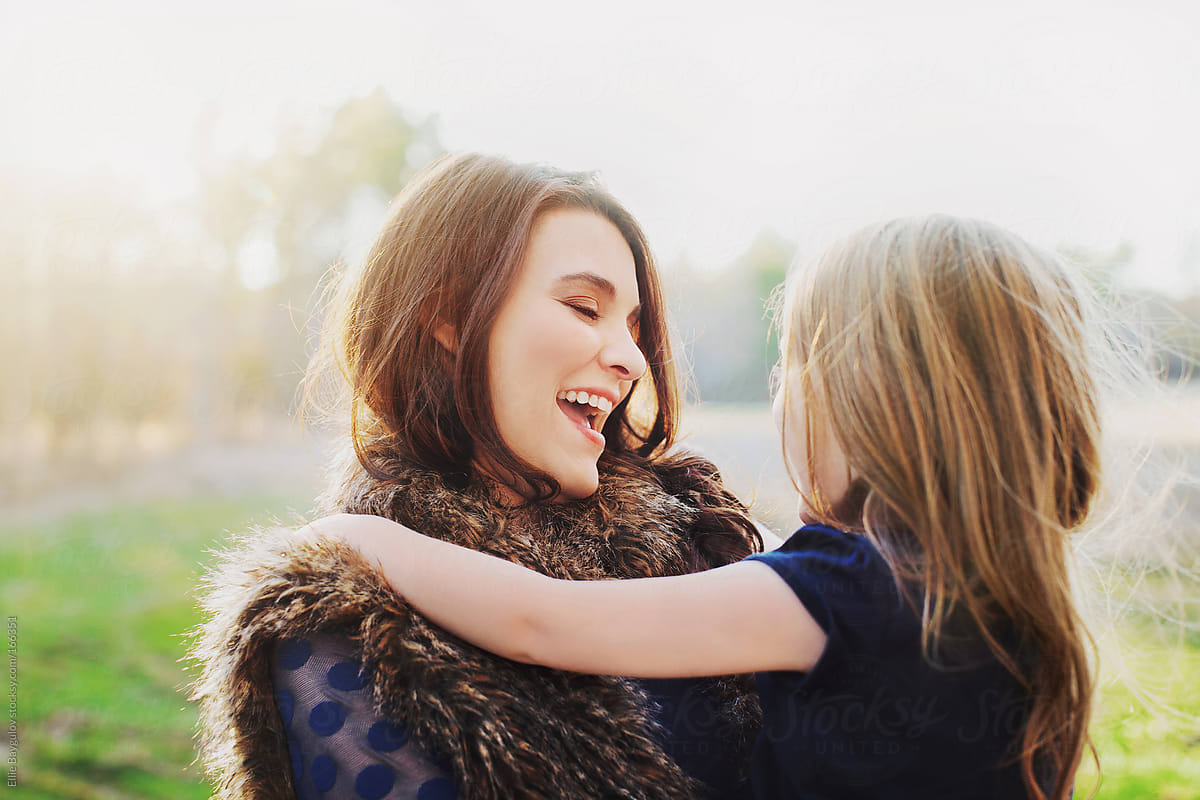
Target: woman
<point x="511" y="390"/>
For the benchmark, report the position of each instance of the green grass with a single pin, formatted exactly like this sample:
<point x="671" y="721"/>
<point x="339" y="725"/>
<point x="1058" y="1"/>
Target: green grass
<point x="102" y="598"/>
<point x="1147" y="730"/>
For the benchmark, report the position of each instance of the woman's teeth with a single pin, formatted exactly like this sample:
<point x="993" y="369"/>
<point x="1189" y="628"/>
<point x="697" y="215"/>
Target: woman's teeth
<point x="583" y="398"/>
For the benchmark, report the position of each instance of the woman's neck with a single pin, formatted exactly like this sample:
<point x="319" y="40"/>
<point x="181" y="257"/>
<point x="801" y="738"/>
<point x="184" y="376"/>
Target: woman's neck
<point x="509" y="492"/>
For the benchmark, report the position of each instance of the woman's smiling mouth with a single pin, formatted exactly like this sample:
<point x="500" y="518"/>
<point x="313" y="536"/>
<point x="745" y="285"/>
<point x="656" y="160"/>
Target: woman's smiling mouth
<point x="585" y="410"/>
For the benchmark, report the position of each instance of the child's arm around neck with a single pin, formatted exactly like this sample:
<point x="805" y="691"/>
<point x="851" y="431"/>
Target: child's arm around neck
<point x="737" y="618"/>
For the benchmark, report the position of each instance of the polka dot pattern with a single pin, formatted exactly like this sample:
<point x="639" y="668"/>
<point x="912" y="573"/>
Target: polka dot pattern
<point x="287" y="706"/>
<point x="294" y="653"/>
<point x="327" y="718"/>
<point x="324" y="773"/>
<point x="386" y="736"/>
<point x="347" y="676"/>
<point x="436" y="789"/>
<point x="338" y="744"/>
<point x="297" y="760"/>
<point x="374" y="781"/>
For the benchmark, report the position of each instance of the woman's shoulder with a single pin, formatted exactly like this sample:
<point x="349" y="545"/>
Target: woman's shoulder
<point x="266" y="582"/>
<point x="722" y="529"/>
<point x="276" y="555"/>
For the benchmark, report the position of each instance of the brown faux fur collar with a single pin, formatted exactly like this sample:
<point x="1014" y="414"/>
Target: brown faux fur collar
<point x="507" y="730"/>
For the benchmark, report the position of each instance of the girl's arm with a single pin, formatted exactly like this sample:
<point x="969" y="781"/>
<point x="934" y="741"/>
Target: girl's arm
<point x="737" y="618"/>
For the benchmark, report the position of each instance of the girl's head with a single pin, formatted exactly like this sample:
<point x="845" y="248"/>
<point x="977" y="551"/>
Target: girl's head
<point x="934" y="359"/>
<point x="939" y="396"/>
<point x="494" y="289"/>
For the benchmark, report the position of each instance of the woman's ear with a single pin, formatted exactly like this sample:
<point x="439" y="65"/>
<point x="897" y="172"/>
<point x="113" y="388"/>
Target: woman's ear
<point x="446" y="336"/>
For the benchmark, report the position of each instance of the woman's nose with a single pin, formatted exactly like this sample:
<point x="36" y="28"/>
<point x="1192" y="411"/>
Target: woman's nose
<point x="622" y="354"/>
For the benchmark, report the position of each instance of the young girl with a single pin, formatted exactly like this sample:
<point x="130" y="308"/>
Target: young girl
<point x="917" y="636"/>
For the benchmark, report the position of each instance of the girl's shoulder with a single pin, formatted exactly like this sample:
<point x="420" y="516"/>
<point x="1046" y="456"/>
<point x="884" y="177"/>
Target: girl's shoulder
<point x="841" y="578"/>
<point x="825" y="550"/>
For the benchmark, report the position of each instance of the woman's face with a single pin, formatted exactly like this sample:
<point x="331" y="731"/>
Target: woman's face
<point x="564" y="350"/>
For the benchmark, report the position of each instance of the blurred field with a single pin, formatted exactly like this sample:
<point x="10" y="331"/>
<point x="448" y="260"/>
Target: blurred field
<point x="101" y="597"/>
<point x="101" y="580"/>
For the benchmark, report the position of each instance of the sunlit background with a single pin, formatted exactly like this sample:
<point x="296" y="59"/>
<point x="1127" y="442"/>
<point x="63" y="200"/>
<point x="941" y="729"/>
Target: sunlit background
<point x="176" y="180"/>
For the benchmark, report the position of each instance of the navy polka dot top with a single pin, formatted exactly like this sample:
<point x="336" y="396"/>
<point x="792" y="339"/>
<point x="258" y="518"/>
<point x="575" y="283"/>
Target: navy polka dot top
<point x="341" y="749"/>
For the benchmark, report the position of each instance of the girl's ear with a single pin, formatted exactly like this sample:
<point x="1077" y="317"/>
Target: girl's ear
<point x="446" y="336"/>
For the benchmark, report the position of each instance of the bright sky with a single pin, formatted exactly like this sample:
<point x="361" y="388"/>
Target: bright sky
<point x="1072" y="122"/>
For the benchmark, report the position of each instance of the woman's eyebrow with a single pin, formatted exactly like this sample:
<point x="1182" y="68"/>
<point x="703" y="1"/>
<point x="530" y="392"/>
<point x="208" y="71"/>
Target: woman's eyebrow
<point x="597" y="282"/>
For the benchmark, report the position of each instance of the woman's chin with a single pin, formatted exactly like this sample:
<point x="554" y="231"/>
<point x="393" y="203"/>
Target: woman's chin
<point x="578" y="485"/>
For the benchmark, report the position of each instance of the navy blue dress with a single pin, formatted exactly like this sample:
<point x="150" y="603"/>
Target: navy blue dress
<point x="873" y="718"/>
<point x="340" y="748"/>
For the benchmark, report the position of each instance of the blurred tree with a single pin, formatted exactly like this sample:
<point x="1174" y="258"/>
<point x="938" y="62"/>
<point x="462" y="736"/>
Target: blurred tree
<point x="724" y="324"/>
<point x="281" y="221"/>
<point x="1105" y="269"/>
<point x="302" y="195"/>
<point x="1170" y="325"/>
<point x="125" y="317"/>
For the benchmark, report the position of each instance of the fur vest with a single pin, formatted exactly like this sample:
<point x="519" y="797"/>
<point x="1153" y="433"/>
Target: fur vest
<point x="506" y="730"/>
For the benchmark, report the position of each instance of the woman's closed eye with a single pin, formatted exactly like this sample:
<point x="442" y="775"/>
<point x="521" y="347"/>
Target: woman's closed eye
<point x="583" y="310"/>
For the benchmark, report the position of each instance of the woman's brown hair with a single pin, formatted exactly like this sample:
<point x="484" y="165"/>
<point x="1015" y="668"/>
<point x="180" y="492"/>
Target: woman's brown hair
<point x="955" y="367"/>
<point x="449" y="254"/>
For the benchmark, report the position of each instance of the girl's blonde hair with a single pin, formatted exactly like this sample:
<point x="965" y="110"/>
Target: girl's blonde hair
<point x="953" y="364"/>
